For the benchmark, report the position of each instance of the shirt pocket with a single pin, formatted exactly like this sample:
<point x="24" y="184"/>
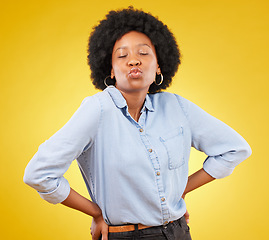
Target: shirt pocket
<point x="173" y="142"/>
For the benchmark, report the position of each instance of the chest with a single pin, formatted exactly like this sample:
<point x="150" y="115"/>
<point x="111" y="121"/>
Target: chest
<point x="160" y="139"/>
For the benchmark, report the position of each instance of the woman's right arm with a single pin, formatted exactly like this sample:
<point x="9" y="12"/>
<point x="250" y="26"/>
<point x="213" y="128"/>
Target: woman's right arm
<point x="46" y="169"/>
<point x="80" y="203"/>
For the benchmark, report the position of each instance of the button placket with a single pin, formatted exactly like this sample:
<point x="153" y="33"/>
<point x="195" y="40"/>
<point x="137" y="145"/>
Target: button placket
<point x="156" y="165"/>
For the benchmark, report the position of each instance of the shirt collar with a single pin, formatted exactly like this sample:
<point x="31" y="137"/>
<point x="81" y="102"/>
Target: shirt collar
<point x="120" y="101"/>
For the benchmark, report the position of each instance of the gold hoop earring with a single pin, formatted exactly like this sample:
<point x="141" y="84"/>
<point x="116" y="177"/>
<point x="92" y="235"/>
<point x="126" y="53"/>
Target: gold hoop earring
<point x="106" y="83"/>
<point x="158" y="84"/>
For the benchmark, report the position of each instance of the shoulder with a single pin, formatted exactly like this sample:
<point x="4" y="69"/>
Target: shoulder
<point x="167" y="98"/>
<point x="162" y="97"/>
<point x="96" y="101"/>
<point x="101" y="102"/>
<point x="93" y="98"/>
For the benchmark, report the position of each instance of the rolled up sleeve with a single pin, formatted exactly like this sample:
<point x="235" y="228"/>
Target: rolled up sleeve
<point x="223" y="145"/>
<point x="46" y="169"/>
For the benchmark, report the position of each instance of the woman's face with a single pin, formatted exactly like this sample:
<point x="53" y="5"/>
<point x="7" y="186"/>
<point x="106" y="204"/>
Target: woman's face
<point x="134" y="62"/>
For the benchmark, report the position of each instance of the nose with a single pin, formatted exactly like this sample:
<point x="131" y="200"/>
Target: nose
<point x="134" y="62"/>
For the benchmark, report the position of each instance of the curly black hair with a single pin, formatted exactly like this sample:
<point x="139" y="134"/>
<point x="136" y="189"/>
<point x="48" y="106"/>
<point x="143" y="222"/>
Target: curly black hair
<point x="118" y="23"/>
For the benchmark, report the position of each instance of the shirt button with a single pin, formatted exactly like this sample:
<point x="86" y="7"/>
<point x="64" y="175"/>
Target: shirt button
<point x="141" y="129"/>
<point x="163" y="199"/>
<point x="150" y="150"/>
<point x="158" y="173"/>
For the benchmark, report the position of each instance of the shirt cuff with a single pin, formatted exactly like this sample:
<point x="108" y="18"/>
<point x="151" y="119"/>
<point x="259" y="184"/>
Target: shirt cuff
<point x="59" y="194"/>
<point x="216" y="169"/>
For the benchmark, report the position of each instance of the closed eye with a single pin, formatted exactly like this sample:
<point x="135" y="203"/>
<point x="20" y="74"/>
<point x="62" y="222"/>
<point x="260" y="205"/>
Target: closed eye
<point x="122" y="56"/>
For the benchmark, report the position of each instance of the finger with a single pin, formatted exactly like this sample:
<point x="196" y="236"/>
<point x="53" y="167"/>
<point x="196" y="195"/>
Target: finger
<point x="105" y="234"/>
<point x="187" y="216"/>
<point x="94" y="237"/>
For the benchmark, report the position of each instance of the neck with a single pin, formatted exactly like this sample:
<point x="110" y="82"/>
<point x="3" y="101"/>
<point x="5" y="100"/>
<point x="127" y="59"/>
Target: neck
<point x="135" y="102"/>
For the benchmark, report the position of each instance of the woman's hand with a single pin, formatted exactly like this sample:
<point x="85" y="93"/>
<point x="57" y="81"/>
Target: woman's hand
<point x="98" y="228"/>
<point x="78" y="202"/>
<point x="196" y="180"/>
<point x="187" y="216"/>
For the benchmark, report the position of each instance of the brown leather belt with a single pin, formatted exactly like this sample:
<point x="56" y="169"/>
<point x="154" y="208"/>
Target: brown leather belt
<point x="127" y="228"/>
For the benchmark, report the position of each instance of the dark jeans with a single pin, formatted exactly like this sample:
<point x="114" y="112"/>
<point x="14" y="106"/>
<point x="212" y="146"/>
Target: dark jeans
<point x="177" y="230"/>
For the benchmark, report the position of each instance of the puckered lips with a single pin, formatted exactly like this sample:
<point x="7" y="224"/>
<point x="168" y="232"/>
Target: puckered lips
<point x="135" y="72"/>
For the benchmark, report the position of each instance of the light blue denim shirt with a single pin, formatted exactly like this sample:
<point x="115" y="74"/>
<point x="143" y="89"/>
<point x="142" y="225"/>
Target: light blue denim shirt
<point x="135" y="171"/>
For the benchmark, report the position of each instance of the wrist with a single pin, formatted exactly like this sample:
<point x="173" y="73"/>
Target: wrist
<point x="97" y="212"/>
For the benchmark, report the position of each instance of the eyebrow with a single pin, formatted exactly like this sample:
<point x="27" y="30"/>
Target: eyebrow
<point x="140" y="44"/>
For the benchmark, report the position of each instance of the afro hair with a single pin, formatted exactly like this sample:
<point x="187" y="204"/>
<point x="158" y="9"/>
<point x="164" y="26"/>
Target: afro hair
<point x="118" y="23"/>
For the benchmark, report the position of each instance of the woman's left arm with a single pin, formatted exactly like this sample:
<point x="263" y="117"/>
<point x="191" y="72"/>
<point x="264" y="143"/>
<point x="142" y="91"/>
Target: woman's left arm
<point x="224" y="147"/>
<point x="196" y="180"/>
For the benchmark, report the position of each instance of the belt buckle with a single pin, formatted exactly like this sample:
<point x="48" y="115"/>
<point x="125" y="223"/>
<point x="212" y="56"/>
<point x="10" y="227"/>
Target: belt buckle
<point x="165" y="224"/>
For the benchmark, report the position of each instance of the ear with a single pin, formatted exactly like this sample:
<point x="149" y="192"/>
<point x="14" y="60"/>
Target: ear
<point x="112" y="75"/>
<point x="158" y="70"/>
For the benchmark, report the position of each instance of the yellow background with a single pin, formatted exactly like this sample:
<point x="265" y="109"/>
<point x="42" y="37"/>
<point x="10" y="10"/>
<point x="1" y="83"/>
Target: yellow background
<point x="44" y="77"/>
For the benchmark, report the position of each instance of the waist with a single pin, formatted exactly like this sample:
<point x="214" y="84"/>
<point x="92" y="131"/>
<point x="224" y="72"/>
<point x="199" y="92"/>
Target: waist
<point x="133" y="227"/>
